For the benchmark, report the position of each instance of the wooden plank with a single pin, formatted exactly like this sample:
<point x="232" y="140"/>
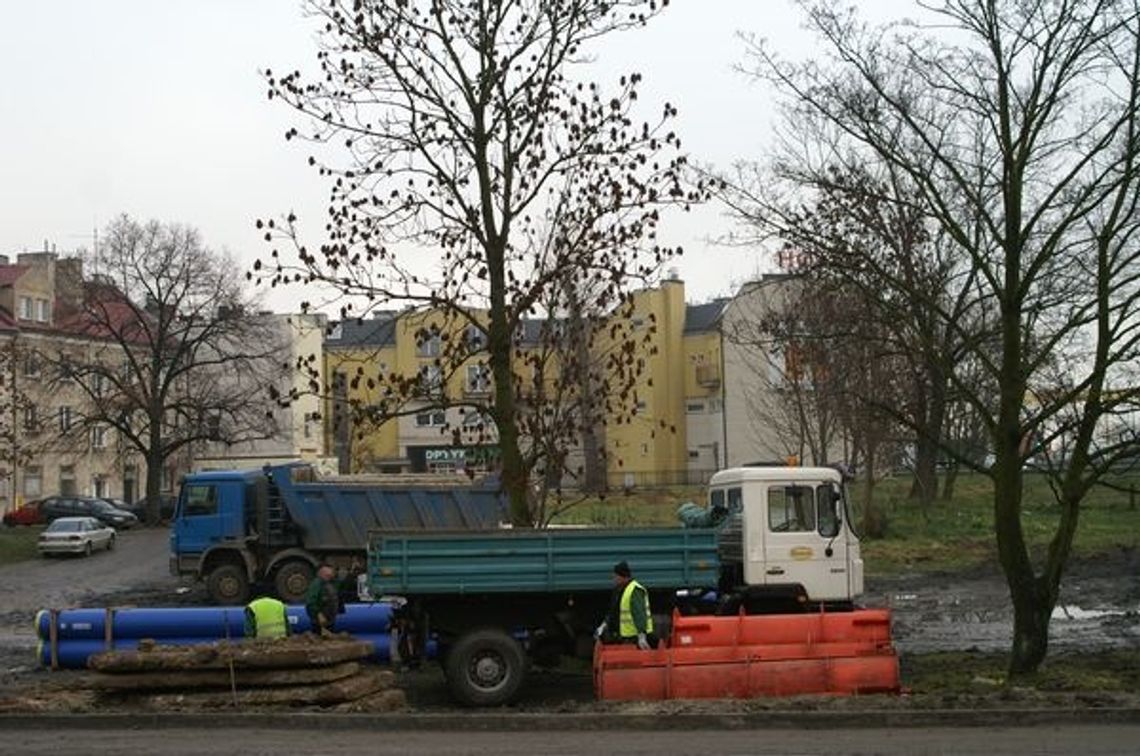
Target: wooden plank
<point x="298" y="651"/>
<point x="208" y="678"/>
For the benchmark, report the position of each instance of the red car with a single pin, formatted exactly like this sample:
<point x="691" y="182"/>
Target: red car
<point x="29" y="514"/>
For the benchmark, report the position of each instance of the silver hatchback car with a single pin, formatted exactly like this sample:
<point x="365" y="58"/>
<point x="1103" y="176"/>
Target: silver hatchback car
<point x="75" y="535"/>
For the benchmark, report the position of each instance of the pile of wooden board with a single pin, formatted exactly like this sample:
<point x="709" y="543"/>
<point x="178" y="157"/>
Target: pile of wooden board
<point x="302" y="670"/>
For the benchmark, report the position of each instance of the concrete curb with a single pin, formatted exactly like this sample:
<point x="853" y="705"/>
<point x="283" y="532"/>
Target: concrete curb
<point x="513" y="722"/>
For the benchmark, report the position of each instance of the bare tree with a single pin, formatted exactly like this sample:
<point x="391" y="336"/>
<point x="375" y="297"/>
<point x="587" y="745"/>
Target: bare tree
<point x="1018" y="125"/>
<point x="176" y="353"/>
<point x="852" y="231"/>
<point x="464" y="132"/>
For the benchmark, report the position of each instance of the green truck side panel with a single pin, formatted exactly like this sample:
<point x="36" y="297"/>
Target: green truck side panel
<point x="531" y="561"/>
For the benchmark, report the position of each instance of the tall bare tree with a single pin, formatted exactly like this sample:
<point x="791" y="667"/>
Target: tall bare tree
<point x="1018" y="125"/>
<point x="464" y="132"/>
<point x="178" y="354"/>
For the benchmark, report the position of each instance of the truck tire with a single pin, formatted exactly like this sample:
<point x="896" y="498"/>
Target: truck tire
<point x="228" y="584"/>
<point x="291" y="581"/>
<point x="485" y="668"/>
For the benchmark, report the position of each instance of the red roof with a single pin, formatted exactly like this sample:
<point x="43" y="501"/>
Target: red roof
<point x="9" y="274"/>
<point x="116" y="318"/>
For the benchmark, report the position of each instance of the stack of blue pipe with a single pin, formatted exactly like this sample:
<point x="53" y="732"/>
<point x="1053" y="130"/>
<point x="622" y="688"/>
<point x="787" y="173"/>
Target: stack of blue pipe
<point x="83" y="632"/>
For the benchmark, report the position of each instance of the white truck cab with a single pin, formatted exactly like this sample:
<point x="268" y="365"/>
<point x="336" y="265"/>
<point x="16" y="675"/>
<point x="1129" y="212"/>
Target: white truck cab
<point x="795" y="528"/>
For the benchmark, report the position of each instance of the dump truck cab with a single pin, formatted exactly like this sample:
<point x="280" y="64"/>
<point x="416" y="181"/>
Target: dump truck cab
<point x="788" y="527"/>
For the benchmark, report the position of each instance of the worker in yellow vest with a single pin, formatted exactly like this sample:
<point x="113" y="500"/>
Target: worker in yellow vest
<point x="265" y="618"/>
<point x="629" y="619"/>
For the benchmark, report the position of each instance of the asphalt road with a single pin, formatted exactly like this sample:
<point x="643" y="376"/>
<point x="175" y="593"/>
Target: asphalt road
<point x="1091" y="740"/>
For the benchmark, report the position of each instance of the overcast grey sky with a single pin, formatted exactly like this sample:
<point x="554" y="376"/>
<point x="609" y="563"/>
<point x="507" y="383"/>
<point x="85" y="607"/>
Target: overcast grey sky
<point x="155" y="108"/>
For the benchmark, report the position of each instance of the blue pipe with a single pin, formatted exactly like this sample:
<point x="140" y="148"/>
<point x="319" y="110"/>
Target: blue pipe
<point x="213" y="622"/>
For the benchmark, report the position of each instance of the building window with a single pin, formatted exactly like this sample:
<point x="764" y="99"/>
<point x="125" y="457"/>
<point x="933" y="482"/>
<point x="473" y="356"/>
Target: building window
<point x="428" y="343"/>
<point x="99" y="437"/>
<point x="644" y="449"/>
<point x="431" y="380"/>
<point x="31" y="366"/>
<point x="694" y="454"/>
<point x="214" y="427"/>
<point x="64" y="419"/>
<point x="476" y="339"/>
<point x="67" y="480"/>
<point x="432" y="419"/>
<point x="43" y="314"/>
<point x="100" y="486"/>
<point x="692" y="407"/>
<point x="478" y="379"/>
<point x="637" y="323"/>
<point x="641" y="406"/>
<point x="476" y="420"/>
<point x="714" y="405"/>
<point x="33" y="482"/>
<point x="31" y="419"/>
<point x="26" y="308"/>
<point x="97" y="384"/>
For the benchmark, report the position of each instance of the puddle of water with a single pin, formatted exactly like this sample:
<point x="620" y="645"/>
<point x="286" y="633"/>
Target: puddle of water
<point x="1077" y="613"/>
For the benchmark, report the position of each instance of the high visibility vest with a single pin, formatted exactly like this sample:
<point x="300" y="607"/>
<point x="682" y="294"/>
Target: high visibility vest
<point x="625" y="618"/>
<point x="269" y="614"/>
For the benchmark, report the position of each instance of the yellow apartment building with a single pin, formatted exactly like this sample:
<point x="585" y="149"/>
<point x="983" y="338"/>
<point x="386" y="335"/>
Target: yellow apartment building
<point x="669" y="431"/>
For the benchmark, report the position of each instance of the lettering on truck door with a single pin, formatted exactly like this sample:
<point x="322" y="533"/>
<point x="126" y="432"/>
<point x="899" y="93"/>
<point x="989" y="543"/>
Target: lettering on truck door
<point x="804" y="540"/>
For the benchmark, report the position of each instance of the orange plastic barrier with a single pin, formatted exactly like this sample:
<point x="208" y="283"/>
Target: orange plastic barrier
<point x="840" y="653"/>
<point x="863" y="625"/>
<point x="625" y="674"/>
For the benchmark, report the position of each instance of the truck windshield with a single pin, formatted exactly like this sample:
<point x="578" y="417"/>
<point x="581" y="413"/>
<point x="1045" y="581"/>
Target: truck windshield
<point x="199" y="500"/>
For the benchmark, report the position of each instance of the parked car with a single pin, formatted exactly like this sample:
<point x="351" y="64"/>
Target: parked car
<point x="55" y="507"/>
<point x="29" y="514"/>
<point x="75" y="535"/>
<point x="166" y="506"/>
<point x="120" y="519"/>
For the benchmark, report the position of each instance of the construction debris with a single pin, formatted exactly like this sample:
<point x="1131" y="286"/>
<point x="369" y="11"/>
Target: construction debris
<point x="339" y="691"/>
<point x="303" y="670"/>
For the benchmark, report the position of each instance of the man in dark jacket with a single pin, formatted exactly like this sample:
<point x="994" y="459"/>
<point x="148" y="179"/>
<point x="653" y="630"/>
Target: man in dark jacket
<point x="629" y="619"/>
<point x="322" y="600"/>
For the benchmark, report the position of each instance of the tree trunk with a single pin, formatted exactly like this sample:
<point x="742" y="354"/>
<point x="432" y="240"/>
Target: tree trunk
<point x="925" y="485"/>
<point x="1032" y="610"/>
<point x="154" y="462"/>
<point x="948" y="483"/>
<point x="500" y="355"/>
<point x="872" y="526"/>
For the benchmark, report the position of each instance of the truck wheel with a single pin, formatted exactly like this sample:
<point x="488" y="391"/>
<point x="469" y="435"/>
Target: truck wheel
<point x="485" y="668"/>
<point x="228" y="584"/>
<point x="292" y="581"/>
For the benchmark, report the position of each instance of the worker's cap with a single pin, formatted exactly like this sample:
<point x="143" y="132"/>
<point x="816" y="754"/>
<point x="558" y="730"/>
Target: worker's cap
<point x="622" y="568"/>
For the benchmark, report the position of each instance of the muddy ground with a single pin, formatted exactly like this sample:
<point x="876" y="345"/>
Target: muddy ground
<point x="1099" y="610"/>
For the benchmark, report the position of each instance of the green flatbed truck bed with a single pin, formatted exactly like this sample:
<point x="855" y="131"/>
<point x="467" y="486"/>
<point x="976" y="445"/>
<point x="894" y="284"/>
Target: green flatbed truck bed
<point x="556" y="560"/>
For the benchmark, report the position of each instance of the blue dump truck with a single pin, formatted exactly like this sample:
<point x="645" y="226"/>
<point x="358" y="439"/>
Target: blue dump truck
<point x="773" y="540"/>
<point x="274" y="525"/>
